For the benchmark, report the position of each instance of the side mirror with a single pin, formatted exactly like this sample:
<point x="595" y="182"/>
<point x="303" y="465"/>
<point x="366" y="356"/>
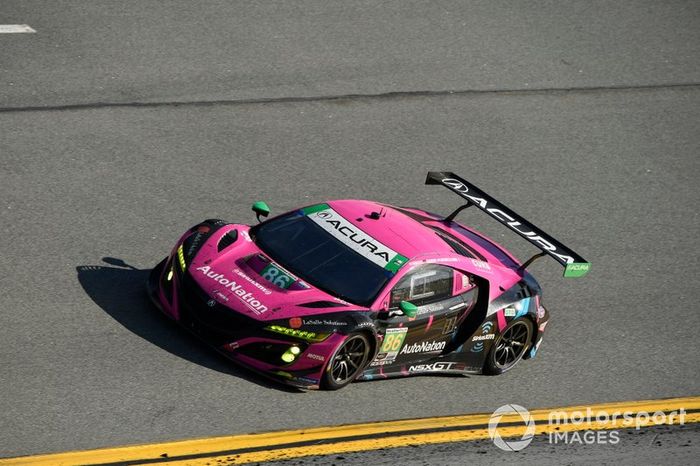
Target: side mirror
<point x="409" y="309"/>
<point x="261" y="208"/>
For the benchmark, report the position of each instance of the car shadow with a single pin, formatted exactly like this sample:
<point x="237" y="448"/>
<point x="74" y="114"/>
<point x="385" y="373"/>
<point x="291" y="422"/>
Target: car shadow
<point x="120" y="290"/>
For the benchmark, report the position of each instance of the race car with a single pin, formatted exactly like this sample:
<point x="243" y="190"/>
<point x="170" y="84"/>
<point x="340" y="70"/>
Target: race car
<point x="352" y="290"/>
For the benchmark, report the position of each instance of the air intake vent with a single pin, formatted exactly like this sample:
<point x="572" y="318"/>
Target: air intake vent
<point x="318" y="304"/>
<point x="227" y="240"/>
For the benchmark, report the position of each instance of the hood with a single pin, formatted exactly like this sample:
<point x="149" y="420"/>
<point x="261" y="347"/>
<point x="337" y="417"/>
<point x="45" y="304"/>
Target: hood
<point x="232" y="270"/>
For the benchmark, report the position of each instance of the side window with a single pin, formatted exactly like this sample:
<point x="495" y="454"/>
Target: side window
<point x="423" y="286"/>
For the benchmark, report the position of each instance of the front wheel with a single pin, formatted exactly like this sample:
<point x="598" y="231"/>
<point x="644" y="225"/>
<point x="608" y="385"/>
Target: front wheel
<point x="509" y="347"/>
<point x="347" y="363"/>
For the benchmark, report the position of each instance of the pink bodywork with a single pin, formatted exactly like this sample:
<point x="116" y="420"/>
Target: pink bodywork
<point x="232" y="278"/>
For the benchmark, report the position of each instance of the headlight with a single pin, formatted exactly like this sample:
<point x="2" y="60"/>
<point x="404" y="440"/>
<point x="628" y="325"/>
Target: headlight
<point x="302" y="334"/>
<point x="181" y="258"/>
<point x="291" y="354"/>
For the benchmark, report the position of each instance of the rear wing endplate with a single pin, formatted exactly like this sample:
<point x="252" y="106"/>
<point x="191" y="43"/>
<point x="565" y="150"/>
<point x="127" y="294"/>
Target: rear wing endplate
<point x="574" y="265"/>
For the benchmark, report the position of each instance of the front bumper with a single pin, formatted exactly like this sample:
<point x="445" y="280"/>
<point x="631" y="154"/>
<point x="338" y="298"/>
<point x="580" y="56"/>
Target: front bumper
<point x="240" y="339"/>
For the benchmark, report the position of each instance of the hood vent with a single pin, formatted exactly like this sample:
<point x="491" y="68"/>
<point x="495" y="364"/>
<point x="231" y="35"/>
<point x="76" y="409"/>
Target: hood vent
<point x="227" y="240"/>
<point x="319" y="304"/>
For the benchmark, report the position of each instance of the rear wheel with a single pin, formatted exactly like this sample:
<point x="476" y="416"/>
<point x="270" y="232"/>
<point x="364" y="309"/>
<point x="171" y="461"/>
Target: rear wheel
<point x="509" y="347"/>
<point x="347" y="363"/>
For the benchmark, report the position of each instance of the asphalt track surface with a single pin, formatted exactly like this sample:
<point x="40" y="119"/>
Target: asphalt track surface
<point x="655" y="445"/>
<point x="124" y="123"/>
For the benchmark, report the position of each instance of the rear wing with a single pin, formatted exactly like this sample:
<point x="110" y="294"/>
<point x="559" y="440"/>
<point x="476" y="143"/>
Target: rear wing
<point x="574" y="265"/>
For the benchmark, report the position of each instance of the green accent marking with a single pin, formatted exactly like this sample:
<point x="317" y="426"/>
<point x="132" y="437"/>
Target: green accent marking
<point x="576" y="270"/>
<point x="315" y="208"/>
<point x="396" y="263"/>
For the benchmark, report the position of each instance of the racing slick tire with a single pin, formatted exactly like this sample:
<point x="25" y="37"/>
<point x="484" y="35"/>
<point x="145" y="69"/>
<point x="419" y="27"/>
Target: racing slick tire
<point x="510" y="346"/>
<point x="348" y="361"/>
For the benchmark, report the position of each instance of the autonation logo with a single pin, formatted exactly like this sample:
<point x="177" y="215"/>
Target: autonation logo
<point x="512" y="427"/>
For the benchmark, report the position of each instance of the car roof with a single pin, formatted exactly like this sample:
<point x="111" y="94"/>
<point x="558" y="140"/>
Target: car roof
<point x="413" y="232"/>
<point x="392" y="228"/>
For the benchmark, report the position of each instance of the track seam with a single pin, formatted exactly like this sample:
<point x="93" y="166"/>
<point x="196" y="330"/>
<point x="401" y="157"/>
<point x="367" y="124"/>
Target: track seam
<point x="396" y="95"/>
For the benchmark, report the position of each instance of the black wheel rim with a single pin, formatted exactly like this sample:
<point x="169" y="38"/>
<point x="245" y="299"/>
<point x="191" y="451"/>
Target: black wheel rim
<point x="512" y="344"/>
<point x="349" y="359"/>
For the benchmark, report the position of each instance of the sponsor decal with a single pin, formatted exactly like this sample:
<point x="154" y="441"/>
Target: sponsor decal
<point x="250" y="280"/>
<point x="424" y="347"/>
<point x="429" y="308"/>
<point x="512" y="223"/>
<point x="354" y="238"/>
<point x="220" y="295"/>
<point x="317" y="357"/>
<point x="486" y="334"/>
<point x="490" y="336"/>
<point x="231" y="346"/>
<point x="197" y="239"/>
<point x="211" y="303"/>
<point x="450" y="325"/>
<point x="481" y="264"/>
<point x="509" y="312"/>
<point x="577" y="269"/>
<point x="436" y="366"/>
<point x="333" y="323"/>
<point x="393" y="339"/>
<point x="308" y="380"/>
<point x="441" y="259"/>
<point x="241" y="293"/>
<point x="295" y="322"/>
<point x="381" y="362"/>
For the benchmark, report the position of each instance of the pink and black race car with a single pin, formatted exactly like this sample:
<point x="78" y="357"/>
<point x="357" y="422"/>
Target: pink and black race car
<point x="358" y="290"/>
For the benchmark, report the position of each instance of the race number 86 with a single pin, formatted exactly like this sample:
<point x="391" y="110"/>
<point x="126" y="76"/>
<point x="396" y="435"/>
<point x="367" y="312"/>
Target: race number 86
<point x="393" y="340"/>
<point x="277" y="277"/>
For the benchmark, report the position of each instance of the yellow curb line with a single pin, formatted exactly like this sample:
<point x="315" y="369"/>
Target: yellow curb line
<point x="375" y="435"/>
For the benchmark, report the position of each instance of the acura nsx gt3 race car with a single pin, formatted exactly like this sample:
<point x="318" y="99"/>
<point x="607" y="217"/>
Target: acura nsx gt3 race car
<point x="357" y="290"/>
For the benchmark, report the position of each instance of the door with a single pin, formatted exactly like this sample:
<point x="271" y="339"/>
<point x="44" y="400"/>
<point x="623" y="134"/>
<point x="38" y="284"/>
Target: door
<point x="409" y="340"/>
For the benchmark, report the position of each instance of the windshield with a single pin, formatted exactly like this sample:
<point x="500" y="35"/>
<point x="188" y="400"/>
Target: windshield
<point x="300" y="245"/>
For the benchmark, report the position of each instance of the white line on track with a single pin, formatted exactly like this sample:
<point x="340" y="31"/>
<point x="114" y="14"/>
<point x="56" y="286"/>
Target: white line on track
<point x="15" y="28"/>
